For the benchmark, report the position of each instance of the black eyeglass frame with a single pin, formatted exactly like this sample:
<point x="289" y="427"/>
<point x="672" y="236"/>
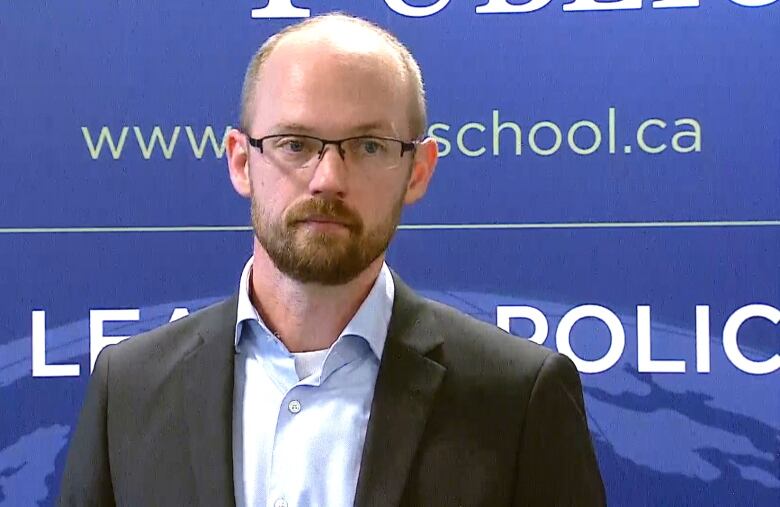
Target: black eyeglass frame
<point x="410" y="146"/>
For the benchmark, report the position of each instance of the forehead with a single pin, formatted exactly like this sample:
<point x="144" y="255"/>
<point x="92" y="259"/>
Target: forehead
<point x="331" y="86"/>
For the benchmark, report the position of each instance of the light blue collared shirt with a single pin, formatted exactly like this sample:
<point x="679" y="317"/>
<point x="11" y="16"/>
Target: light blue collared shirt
<point x="298" y="442"/>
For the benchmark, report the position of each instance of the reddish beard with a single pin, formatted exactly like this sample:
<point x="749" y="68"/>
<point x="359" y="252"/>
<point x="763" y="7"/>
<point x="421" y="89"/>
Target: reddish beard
<point x="327" y="258"/>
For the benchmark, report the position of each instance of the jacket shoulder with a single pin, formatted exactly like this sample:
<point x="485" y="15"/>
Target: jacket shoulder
<point x="163" y="347"/>
<point x="478" y="336"/>
<point x="475" y="349"/>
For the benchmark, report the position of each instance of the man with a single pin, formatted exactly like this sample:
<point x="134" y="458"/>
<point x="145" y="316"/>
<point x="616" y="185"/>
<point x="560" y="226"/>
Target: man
<point x="326" y="381"/>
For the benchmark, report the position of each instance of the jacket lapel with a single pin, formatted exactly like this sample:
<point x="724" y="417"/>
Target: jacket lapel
<point x="405" y="389"/>
<point x="208" y="405"/>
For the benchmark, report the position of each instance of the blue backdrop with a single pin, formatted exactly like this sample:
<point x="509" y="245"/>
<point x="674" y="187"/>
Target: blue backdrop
<point x="610" y="179"/>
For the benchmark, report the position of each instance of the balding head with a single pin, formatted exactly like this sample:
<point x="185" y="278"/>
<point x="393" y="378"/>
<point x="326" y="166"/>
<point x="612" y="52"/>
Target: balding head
<point x="347" y="38"/>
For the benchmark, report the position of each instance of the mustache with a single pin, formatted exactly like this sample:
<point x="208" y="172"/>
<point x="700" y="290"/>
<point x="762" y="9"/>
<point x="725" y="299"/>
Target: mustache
<point x="328" y="209"/>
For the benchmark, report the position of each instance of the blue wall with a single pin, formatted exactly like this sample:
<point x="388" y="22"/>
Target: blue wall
<point x="666" y="198"/>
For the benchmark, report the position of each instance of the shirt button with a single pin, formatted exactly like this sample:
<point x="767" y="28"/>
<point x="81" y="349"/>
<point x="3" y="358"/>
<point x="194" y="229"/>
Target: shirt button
<point x="280" y="502"/>
<point x="294" y="406"/>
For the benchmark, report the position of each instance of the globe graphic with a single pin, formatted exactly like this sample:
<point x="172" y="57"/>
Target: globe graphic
<point x="661" y="439"/>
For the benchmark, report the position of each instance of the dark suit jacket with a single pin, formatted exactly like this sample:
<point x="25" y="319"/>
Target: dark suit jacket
<point x="463" y="415"/>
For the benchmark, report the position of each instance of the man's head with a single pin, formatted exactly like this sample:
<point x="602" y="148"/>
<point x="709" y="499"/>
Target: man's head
<point x="350" y="33"/>
<point x="326" y="218"/>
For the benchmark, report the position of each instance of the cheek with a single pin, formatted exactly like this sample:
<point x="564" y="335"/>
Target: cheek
<point x="379" y="199"/>
<point x="272" y="193"/>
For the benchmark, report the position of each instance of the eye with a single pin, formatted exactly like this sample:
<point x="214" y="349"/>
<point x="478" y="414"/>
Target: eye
<point x="291" y="144"/>
<point x="371" y="146"/>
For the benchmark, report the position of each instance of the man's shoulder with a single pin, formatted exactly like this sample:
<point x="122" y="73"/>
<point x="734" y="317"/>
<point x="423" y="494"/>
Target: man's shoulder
<point x="488" y="367"/>
<point x="173" y="341"/>
<point x="473" y="344"/>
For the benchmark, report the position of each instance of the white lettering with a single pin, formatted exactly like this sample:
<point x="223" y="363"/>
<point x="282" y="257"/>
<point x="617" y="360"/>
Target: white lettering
<point x="594" y="5"/>
<point x="199" y="148"/>
<point x="504" y="315"/>
<point x="39" y="366"/>
<point x="280" y="9"/>
<point x="411" y="11"/>
<point x="671" y="4"/>
<point x="535" y="146"/>
<point x="498" y="127"/>
<point x="503" y="6"/>
<point x="156" y="137"/>
<point x="596" y="137"/>
<point x="616" y="331"/>
<point x="97" y="340"/>
<point x="178" y="313"/>
<point x="612" y="129"/>
<point x="702" y="338"/>
<point x="444" y="144"/>
<point x="104" y="136"/>
<point x="731" y="347"/>
<point x="286" y="9"/>
<point x="695" y="145"/>
<point x="640" y="135"/>
<point x="754" y="3"/>
<point x="462" y="132"/>
<point x="645" y="361"/>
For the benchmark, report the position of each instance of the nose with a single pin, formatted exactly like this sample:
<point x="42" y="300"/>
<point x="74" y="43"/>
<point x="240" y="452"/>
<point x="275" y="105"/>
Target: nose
<point x="330" y="174"/>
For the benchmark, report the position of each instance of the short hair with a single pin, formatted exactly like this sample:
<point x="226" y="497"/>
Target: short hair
<point x="417" y="110"/>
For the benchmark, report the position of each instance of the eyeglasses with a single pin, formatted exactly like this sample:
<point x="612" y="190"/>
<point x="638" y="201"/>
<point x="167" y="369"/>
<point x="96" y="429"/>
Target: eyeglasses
<point x="367" y="153"/>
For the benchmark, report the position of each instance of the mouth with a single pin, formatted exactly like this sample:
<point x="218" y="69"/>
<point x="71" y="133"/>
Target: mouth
<point x="323" y="219"/>
<point x="324" y="223"/>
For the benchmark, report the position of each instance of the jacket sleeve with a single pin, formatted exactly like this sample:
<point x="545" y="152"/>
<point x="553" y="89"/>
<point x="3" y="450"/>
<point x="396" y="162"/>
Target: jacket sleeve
<point x="557" y="463"/>
<point x="86" y="480"/>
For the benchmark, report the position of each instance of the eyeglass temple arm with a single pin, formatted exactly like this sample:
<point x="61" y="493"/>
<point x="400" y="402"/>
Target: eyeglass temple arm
<point x="257" y="143"/>
<point x="411" y="146"/>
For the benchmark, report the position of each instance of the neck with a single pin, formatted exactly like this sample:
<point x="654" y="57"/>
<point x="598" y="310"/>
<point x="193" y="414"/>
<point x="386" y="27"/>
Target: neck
<point x="306" y="316"/>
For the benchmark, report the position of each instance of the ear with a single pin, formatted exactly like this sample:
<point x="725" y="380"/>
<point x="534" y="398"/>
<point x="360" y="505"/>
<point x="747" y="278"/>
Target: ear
<point x="425" y="157"/>
<point x="236" y="146"/>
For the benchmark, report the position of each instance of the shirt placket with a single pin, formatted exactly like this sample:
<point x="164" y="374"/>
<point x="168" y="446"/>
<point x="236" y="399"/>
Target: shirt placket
<point x="285" y="475"/>
<point x="279" y="367"/>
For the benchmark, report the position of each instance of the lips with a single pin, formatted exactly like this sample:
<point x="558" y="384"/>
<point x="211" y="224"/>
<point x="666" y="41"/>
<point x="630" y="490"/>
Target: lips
<point x="325" y="220"/>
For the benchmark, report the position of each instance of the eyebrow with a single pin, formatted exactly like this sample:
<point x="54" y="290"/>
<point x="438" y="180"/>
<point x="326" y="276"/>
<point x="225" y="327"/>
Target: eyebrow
<point x="291" y="127"/>
<point x="372" y="127"/>
<point x="364" y="128"/>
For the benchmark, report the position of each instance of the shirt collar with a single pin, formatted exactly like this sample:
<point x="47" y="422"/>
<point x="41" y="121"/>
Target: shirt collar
<point x="370" y="322"/>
